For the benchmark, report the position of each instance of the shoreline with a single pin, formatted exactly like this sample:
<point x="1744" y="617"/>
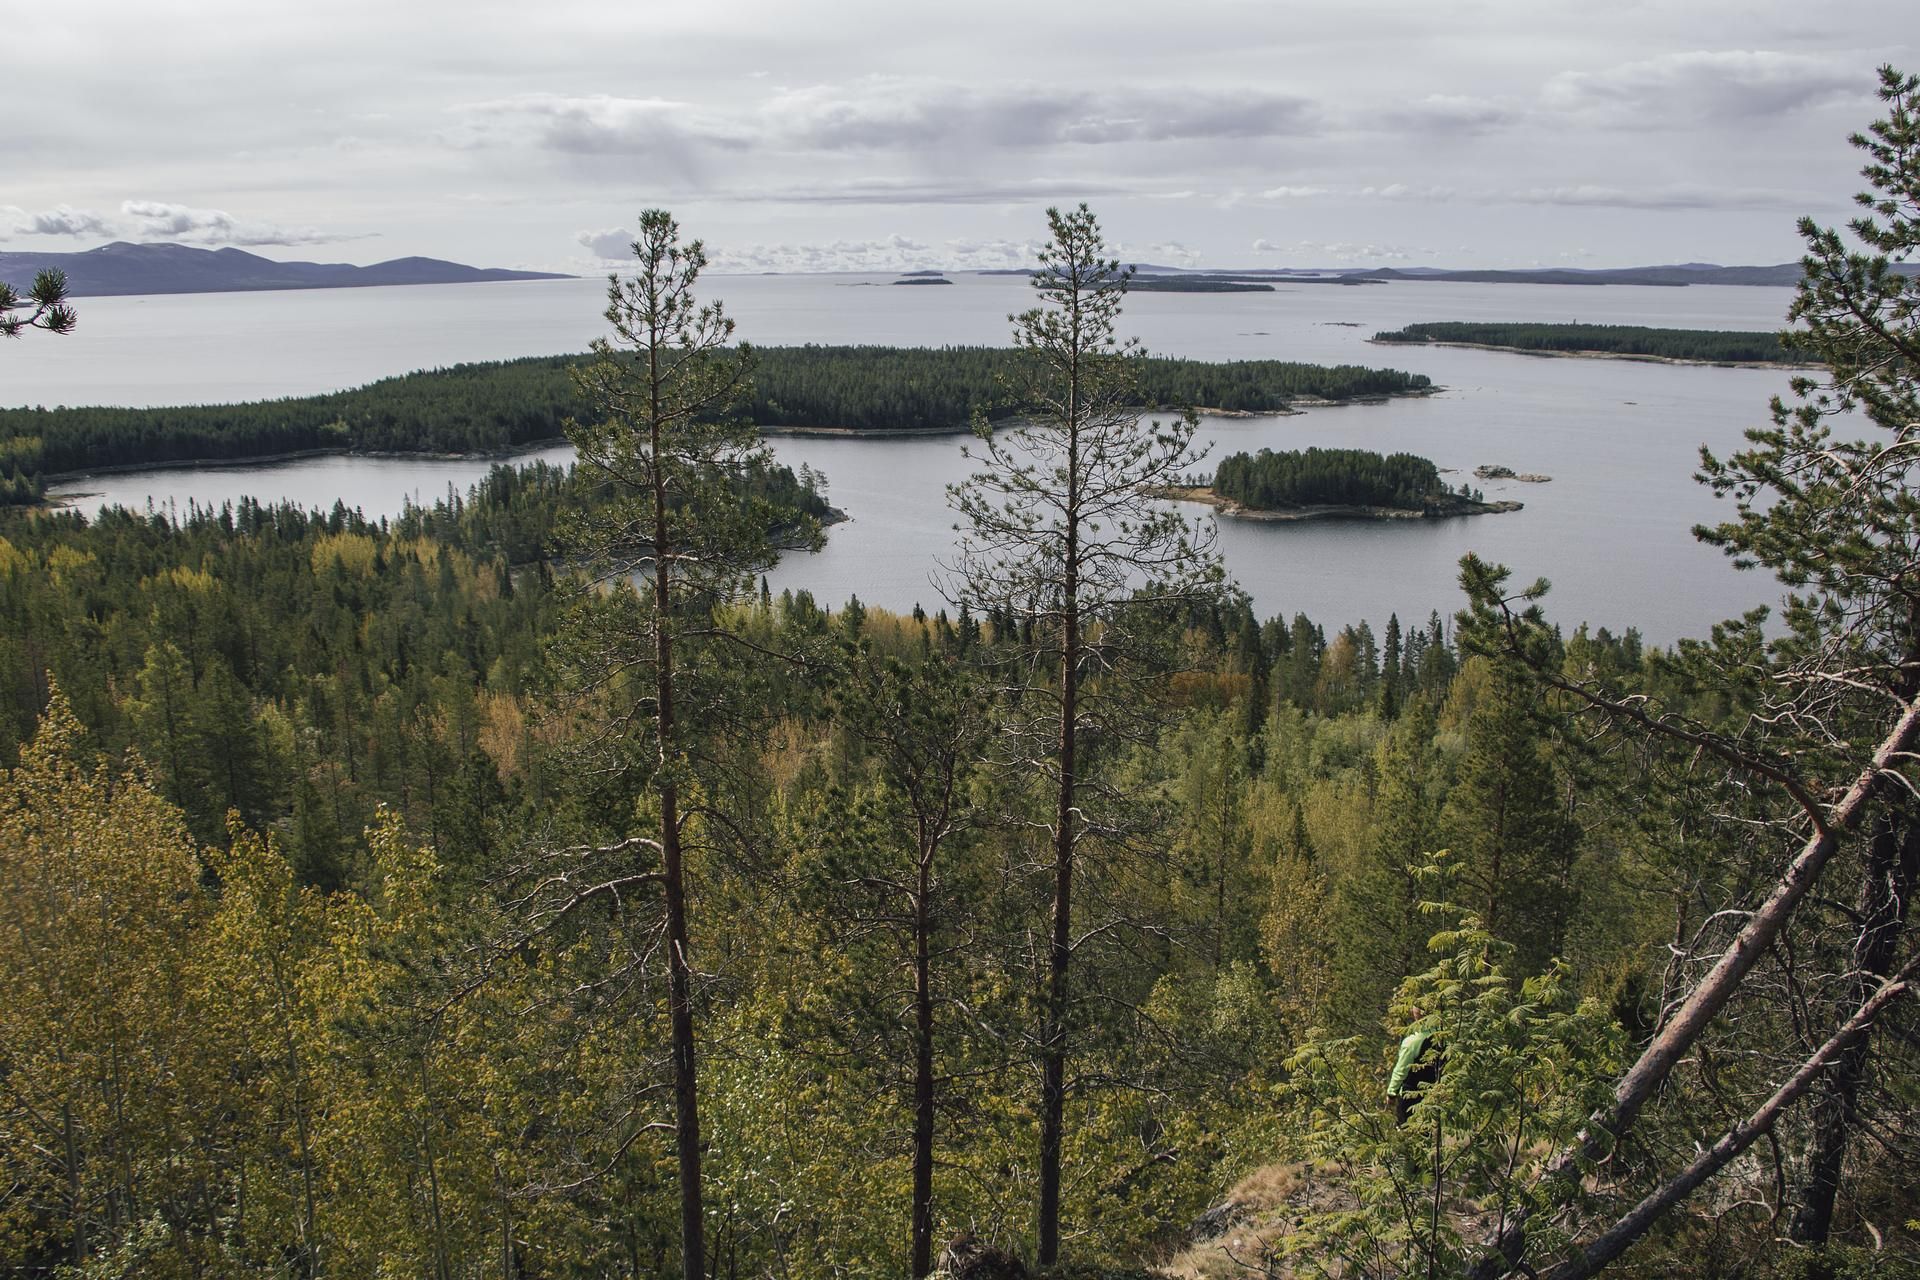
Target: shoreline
<point x="1602" y="355"/>
<point x="1205" y="495"/>
<point x="295" y="455"/>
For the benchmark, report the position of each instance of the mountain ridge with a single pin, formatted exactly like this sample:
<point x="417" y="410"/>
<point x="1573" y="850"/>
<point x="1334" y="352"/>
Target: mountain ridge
<point x="122" y="268"/>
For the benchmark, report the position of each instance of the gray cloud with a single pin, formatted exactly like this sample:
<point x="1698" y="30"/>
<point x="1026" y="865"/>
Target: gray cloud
<point x="1310" y="252"/>
<point x="1680" y="90"/>
<point x="161" y="220"/>
<point x="892" y="253"/>
<point x="609" y="245"/>
<point x="883" y="113"/>
<point x="597" y="124"/>
<point x="1449" y="113"/>
<point x="888" y="112"/>
<point x="1170" y="251"/>
<point x="958" y="191"/>
<point x="1505" y="130"/>
<point x="62" y="220"/>
<point x="1685" y="196"/>
<point x="1421" y="193"/>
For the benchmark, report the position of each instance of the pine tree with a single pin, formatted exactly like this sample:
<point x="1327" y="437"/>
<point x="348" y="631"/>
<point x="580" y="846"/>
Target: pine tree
<point x="44" y="306"/>
<point x="673" y="466"/>
<point x="1060" y="529"/>
<point x="925" y="725"/>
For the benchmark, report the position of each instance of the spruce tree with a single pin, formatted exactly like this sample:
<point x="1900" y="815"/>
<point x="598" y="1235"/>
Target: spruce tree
<point x="1506" y="824"/>
<point x="1377" y="918"/>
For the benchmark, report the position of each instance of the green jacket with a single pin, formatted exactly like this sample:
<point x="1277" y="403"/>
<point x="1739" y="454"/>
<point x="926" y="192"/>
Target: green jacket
<point x="1410" y="1050"/>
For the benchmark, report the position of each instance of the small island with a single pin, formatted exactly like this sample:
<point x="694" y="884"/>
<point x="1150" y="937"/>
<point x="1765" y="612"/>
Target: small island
<point x="1493" y="471"/>
<point x="1196" y="284"/>
<point x="1729" y="348"/>
<point x="923" y="277"/>
<point x="1334" y="484"/>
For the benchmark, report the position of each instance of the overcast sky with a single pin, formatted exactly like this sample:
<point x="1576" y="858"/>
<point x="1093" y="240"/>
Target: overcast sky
<point x="886" y="134"/>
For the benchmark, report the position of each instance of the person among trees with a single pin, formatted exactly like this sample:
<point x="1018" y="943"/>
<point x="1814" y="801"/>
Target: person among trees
<point x="1415" y="1069"/>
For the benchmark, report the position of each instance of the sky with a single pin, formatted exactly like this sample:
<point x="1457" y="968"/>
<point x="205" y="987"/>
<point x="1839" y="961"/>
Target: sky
<point x="895" y="134"/>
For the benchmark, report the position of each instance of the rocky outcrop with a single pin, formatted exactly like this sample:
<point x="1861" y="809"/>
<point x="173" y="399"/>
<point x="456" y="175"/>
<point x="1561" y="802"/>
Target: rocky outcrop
<point x="1493" y="471"/>
<point x="967" y="1257"/>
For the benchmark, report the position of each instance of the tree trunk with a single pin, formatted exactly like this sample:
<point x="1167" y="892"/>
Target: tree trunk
<point x="1711" y="994"/>
<point x="76" y="1202"/>
<point x="922" y="1073"/>
<point x="309" y="1233"/>
<point x="1053" y="1091"/>
<point x="1053" y="1066"/>
<point x="1892" y="857"/>
<point x="442" y="1268"/>
<point x="1618" y="1238"/>
<point x="686" y="1110"/>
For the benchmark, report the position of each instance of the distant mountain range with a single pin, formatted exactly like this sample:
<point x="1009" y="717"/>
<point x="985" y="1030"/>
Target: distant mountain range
<point x="1786" y="274"/>
<point x="120" y="268"/>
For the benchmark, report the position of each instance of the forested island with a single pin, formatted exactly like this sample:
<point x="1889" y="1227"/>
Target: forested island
<point x="1616" y="341"/>
<point x="1312" y="484"/>
<point x="500" y="406"/>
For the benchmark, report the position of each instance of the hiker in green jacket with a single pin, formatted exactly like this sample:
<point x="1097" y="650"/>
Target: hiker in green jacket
<point x="1417" y="1067"/>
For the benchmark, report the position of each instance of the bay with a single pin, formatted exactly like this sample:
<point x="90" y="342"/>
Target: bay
<point x="1620" y="439"/>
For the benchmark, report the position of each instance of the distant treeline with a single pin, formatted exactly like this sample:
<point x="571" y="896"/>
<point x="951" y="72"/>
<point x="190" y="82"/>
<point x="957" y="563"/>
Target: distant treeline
<point x="1606" y="339"/>
<point x="1329" y="477"/>
<point x="1196" y="284"/>
<point x="492" y="407"/>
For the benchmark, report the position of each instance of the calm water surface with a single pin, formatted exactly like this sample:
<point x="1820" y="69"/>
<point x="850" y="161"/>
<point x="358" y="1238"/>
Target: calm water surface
<point x="1620" y="439"/>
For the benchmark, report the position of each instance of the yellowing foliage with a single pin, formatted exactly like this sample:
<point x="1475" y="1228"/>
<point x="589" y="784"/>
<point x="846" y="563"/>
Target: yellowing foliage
<point x="353" y="552"/>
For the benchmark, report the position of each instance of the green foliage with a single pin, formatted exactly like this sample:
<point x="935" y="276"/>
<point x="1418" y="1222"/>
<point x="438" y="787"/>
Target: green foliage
<point x="1523" y="1064"/>
<point x="44" y="306"/>
<point x="1508" y="819"/>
